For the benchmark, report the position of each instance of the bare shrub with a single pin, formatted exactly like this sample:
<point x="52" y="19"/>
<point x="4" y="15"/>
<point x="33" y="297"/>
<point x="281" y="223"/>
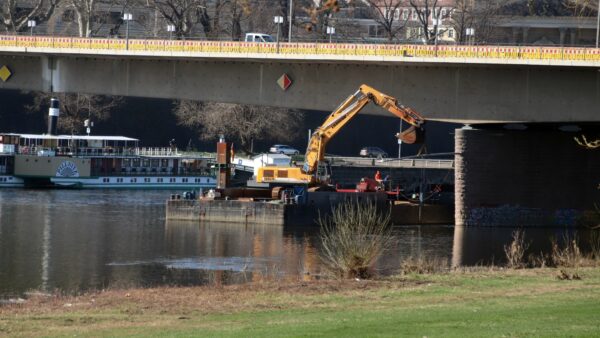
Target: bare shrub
<point x="568" y="275"/>
<point x="538" y="261"/>
<point x="424" y="265"/>
<point x="568" y="255"/>
<point x="595" y="244"/>
<point x="353" y="238"/>
<point x="515" y="250"/>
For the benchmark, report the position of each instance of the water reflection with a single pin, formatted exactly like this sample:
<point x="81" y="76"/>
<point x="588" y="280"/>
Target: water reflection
<point x="77" y="240"/>
<point x="485" y="246"/>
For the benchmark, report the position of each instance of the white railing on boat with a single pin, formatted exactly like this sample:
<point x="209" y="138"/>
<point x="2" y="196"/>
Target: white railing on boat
<point x="157" y="152"/>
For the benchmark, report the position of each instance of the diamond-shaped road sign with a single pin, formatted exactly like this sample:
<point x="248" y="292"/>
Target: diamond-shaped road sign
<point x="5" y="73"/>
<point x="284" y="82"/>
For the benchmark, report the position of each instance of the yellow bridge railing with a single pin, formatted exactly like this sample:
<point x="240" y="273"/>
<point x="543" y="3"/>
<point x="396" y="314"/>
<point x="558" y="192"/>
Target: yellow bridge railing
<point x="424" y="51"/>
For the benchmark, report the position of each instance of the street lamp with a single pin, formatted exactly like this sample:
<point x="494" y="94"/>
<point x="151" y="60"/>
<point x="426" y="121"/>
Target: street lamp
<point x="127" y="17"/>
<point x="170" y="29"/>
<point x="598" y="24"/>
<point x="330" y="31"/>
<point x="278" y="20"/>
<point x="436" y="25"/>
<point x="31" y="23"/>
<point x="470" y="35"/>
<point x="290" y="22"/>
<point x="400" y="141"/>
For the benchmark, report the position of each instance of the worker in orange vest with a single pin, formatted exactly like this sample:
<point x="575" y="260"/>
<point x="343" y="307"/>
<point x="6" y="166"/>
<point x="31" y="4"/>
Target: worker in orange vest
<point x="378" y="176"/>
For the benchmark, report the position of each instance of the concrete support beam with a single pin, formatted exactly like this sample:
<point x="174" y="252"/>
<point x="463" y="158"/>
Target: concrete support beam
<point x="524" y="178"/>
<point x="447" y="92"/>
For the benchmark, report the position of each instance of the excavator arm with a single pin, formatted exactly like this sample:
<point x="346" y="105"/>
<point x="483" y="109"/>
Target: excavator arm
<point x="315" y="151"/>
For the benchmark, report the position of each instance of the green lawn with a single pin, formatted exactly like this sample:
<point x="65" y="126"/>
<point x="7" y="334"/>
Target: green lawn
<point x="476" y="304"/>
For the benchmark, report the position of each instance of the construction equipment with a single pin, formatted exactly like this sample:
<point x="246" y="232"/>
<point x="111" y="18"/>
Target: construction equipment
<point x="310" y="173"/>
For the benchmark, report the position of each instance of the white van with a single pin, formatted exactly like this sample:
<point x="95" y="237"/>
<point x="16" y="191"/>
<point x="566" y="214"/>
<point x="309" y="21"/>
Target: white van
<point x="258" y="37"/>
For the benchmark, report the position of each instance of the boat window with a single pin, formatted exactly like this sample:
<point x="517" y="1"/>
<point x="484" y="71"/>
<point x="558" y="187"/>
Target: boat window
<point x="136" y="162"/>
<point x="154" y="163"/>
<point x="164" y="163"/>
<point x="145" y="162"/>
<point x="126" y="162"/>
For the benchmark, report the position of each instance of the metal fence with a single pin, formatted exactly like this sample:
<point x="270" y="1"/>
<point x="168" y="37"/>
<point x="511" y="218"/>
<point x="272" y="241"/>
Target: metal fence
<point x="342" y="49"/>
<point x="392" y="163"/>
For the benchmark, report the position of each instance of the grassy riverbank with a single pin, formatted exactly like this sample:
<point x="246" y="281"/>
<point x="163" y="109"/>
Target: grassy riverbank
<point x="477" y="303"/>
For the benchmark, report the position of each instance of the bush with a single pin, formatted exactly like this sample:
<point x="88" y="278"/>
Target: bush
<point x="353" y="238"/>
<point x="595" y="244"/>
<point x="515" y="250"/>
<point x="424" y="265"/>
<point x="568" y="255"/>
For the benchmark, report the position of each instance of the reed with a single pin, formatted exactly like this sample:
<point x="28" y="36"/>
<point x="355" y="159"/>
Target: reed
<point x="515" y="250"/>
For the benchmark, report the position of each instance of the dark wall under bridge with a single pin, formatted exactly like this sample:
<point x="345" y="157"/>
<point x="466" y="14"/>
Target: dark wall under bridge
<point x="525" y="178"/>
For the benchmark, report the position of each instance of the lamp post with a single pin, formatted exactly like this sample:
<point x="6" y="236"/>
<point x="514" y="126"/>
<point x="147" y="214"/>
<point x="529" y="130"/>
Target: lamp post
<point x="290" y="22"/>
<point x="170" y="29"/>
<point x="470" y="32"/>
<point x="598" y="24"/>
<point x="330" y="31"/>
<point x="31" y="24"/>
<point x="436" y="25"/>
<point x="278" y="20"/>
<point x="127" y="17"/>
<point x="400" y="141"/>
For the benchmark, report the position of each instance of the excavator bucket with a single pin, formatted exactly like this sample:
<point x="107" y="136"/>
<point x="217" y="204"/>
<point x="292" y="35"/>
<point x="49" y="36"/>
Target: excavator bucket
<point x="412" y="135"/>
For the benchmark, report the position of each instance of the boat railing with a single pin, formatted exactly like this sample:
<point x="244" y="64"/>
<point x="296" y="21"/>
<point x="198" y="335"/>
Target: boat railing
<point x="160" y="151"/>
<point x="110" y="152"/>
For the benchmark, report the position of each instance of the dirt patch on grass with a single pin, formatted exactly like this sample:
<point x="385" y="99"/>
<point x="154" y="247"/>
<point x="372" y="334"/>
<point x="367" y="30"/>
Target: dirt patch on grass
<point x="202" y="299"/>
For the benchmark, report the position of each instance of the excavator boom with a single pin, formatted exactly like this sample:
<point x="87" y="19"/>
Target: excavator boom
<point x="315" y="152"/>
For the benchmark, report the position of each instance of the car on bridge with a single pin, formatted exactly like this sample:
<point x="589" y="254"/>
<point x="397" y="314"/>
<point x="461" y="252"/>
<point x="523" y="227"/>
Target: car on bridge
<point x="283" y="149"/>
<point x="258" y="37"/>
<point x="373" y="152"/>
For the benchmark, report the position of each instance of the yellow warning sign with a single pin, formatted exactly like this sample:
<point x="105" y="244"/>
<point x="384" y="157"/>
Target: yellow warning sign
<point x="5" y="73"/>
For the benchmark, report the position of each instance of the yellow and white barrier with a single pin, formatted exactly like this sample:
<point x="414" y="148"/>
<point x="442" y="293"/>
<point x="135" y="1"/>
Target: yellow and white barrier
<point x="422" y="51"/>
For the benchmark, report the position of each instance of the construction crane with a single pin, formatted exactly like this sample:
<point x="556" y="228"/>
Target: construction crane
<point x="315" y="152"/>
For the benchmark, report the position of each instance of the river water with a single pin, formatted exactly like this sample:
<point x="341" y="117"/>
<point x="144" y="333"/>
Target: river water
<point x="70" y="241"/>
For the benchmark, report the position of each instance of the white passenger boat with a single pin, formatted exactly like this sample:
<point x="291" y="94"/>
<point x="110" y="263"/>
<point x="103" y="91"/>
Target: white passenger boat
<point x="84" y="161"/>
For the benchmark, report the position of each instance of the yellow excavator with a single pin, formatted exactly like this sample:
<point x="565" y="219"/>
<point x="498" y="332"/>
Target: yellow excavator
<point x="315" y="152"/>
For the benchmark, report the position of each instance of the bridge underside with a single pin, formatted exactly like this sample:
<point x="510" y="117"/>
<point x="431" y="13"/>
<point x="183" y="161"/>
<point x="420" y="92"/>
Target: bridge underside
<point x="445" y="92"/>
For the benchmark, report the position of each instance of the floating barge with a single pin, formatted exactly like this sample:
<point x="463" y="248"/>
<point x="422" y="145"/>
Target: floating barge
<point x="276" y="212"/>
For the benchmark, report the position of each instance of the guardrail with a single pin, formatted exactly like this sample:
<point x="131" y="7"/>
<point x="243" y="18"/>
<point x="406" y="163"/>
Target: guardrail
<point x="395" y="163"/>
<point x="235" y="47"/>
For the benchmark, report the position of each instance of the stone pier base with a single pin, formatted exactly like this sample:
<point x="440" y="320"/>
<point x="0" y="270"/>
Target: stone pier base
<point x="524" y="178"/>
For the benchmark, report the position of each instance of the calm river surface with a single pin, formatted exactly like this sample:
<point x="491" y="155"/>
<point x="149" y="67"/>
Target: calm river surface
<point x="76" y="240"/>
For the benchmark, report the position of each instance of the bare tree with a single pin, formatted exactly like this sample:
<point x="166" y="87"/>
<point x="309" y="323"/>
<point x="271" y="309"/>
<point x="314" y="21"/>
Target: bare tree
<point x="185" y="15"/>
<point x="15" y="14"/>
<point x="321" y="15"/>
<point x="75" y="108"/>
<point x="91" y="15"/>
<point x="243" y="123"/>
<point x="482" y="16"/>
<point x="388" y="14"/>
<point x="426" y="10"/>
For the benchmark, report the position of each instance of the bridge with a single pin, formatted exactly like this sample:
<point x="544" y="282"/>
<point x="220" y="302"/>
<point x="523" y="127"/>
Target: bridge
<point x="469" y="84"/>
<point x="537" y="176"/>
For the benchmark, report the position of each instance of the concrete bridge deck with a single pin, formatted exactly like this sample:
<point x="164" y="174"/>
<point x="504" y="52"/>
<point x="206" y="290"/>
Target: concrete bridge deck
<point x="465" y="84"/>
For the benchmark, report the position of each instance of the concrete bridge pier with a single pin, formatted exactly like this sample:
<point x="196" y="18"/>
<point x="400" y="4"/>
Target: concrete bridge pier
<point x="525" y="178"/>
